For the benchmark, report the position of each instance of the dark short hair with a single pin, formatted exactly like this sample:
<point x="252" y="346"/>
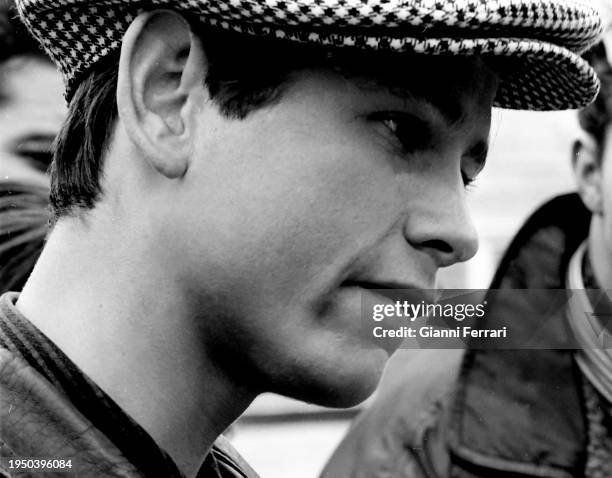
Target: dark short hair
<point x="596" y="117"/>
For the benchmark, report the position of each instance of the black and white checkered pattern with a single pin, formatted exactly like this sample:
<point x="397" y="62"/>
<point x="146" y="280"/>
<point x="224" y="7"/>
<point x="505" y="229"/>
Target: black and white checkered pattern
<point x="546" y="36"/>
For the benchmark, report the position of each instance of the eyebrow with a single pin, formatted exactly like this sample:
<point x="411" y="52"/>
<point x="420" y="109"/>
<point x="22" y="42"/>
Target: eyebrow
<point x="452" y="113"/>
<point x="447" y="106"/>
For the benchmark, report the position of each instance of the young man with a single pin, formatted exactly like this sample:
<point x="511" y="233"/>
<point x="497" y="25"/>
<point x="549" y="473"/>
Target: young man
<point x="536" y="411"/>
<point x="232" y="178"/>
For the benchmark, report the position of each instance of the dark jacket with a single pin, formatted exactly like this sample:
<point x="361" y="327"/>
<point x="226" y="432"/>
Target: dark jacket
<point x="487" y="413"/>
<point x="37" y="421"/>
<point x="49" y="410"/>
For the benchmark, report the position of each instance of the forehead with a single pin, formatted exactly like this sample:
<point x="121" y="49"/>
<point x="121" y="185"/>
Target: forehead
<point x="261" y="60"/>
<point x="449" y="83"/>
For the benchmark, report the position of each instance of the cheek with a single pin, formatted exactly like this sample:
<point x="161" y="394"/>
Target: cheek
<point x="321" y="212"/>
<point x="295" y="206"/>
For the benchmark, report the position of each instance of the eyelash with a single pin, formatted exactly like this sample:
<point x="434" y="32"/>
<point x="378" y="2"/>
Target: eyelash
<point x="468" y="183"/>
<point x="392" y="122"/>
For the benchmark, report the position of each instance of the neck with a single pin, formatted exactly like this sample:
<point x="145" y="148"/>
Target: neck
<point x="96" y="296"/>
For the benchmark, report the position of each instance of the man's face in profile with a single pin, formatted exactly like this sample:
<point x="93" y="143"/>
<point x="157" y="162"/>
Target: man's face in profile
<point x="289" y="216"/>
<point x="31" y="113"/>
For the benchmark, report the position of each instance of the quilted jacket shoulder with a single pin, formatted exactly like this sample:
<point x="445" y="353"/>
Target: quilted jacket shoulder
<point x="38" y="421"/>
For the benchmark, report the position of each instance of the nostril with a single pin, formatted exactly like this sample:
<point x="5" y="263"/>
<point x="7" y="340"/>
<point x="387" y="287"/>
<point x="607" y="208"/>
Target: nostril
<point x="438" y="245"/>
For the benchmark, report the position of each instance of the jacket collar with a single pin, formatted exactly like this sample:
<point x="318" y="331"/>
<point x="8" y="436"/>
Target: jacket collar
<point x="519" y="411"/>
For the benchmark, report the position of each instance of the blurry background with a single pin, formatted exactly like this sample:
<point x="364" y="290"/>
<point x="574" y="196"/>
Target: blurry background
<point x="529" y="163"/>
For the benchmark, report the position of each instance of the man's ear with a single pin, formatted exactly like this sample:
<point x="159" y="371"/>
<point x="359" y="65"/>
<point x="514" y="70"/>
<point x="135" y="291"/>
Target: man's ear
<point x="160" y="86"/>
<point x="586" y="163"/>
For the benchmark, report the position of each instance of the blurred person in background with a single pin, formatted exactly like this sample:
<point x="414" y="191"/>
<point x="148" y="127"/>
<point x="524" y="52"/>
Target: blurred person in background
<point x="528" y="413"/>
<point x="31" y="105"/>
<point x="223" y="200"/>
<point x="24" y="222"/>
<point x="31" y="114"/>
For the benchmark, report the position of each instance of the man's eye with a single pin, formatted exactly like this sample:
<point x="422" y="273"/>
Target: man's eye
<point x="474" y="162"/>
<point x="412" y="133"/>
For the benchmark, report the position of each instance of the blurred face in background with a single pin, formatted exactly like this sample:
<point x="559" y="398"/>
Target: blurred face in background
<point x="31" y="113"/>
<point x="592" y="163"/>
<point x="595" y="186"/>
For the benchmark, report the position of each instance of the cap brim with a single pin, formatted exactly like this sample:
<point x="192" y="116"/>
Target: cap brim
<point x="534" y="75"/>
<point x="543" y="77"/>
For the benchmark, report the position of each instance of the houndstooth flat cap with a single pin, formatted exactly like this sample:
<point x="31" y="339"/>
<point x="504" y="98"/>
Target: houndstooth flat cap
<point x="544" y="37"/>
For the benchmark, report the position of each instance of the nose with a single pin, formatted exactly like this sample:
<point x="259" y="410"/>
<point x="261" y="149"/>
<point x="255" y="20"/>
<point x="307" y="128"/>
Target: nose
<point x="443" y="228"/>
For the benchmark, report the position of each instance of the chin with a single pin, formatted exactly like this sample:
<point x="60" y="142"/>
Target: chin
<point x="347" y="397"/>
<point x="341" y="383"/>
